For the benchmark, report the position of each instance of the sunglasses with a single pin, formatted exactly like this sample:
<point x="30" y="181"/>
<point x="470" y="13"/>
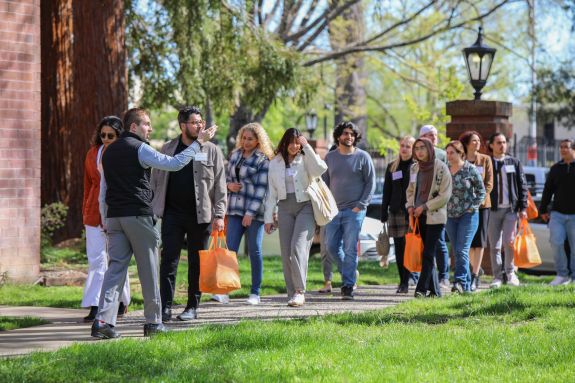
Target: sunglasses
<point x="111" y="136"/>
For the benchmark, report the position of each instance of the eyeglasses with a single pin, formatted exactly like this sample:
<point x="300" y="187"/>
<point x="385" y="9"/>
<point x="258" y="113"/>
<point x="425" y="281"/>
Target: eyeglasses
<point x="200" y="122"/>
<point x="110" y="136"/>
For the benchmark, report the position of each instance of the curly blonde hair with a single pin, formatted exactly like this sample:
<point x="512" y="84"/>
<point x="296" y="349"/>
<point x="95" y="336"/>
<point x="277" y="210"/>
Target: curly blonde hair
<point x="264" y="143"/>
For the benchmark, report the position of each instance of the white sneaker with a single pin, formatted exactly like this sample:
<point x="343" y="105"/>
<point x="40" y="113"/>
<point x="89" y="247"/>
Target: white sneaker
<point x="222" y="298"/>
<point x="253" y="300"/>
<point x="297" y="300"/>
<point x="496" y="283"/>
<point x="513" y="280"/>
<point x="559" y="281"/>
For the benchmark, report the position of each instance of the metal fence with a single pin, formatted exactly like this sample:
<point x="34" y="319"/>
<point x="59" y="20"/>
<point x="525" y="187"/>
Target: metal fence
<point x="547" y="151"/>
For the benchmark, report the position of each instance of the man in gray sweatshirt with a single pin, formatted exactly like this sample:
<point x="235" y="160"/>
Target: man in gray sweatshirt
<point x="351" y="179"/>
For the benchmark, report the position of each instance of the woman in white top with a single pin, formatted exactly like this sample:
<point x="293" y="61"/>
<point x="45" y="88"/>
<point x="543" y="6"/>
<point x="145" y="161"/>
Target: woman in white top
<point x="290" y="171"/>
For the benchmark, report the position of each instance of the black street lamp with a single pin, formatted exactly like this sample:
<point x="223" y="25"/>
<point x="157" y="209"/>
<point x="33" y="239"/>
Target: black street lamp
<point x="311" y="122"/>
<point x="478" y="59"/>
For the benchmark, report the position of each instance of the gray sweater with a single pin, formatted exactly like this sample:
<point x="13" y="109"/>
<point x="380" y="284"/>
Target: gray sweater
<point x="351" y="178"/>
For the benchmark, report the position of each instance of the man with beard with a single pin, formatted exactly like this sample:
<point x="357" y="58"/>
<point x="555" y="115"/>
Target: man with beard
<point x="351" y="179"/>
<point x="188" y="201"/>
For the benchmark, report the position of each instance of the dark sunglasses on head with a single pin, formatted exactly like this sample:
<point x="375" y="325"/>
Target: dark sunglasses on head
<point x="110" y="136"/>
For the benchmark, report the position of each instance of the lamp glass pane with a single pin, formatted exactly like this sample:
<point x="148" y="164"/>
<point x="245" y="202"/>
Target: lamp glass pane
<point x="474" y="64"/>
<point x="485" y="66"/>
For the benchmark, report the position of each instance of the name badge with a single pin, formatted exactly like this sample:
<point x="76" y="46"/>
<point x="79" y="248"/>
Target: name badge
<point x="413" y="177"/>
<point x="479" y="169"/>
<point x="201" y="157"/>
<point x="397" y="175"/>
<point x="509" y="168"/>
<point x="290" y="172"/>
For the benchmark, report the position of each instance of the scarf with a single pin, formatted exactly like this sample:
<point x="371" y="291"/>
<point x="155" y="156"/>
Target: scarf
<point x="426" y="168"/>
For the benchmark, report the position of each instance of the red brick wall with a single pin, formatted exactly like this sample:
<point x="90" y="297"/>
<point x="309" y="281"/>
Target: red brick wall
<point x="20" y="139"/>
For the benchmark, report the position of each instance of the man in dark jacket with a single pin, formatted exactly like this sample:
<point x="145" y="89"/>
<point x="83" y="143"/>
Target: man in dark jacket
<point x="188" y="201"/>
<point x="560" y="185"/>
<point x="127" y="217"/>
<point x="508" y="203"/>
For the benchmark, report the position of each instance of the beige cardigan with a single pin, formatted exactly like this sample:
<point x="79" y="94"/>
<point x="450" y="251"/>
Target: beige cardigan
<point x="438" y="195"/>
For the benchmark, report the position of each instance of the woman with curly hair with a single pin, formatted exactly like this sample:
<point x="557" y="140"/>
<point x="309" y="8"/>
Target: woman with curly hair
<point x="247" y="182"/>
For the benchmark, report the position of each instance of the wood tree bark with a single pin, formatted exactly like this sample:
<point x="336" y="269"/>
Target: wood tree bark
<point x="351" y="77"/>
<point x="84" y="78"/>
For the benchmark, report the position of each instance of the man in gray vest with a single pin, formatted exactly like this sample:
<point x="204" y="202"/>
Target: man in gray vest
<point x="127" y="217"/>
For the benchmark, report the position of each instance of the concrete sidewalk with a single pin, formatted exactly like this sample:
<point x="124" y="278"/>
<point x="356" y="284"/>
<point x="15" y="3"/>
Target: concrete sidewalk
<point x="67" y="327"/>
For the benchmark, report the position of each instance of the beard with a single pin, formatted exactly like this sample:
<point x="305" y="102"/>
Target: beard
<point x="345" y="143"/>
<point x="189" y="135"/>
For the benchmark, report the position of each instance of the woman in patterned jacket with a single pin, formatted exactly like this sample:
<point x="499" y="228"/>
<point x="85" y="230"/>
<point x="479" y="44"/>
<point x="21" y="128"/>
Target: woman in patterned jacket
<point x="467" y="194"/>
<point x="247" y="182"/>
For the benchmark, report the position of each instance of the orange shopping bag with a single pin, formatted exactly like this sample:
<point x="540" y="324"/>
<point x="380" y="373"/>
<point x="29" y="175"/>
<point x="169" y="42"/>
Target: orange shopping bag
<point x="525" y="249"/>
<point x="219" y="270"/>
<point x="413" y="255"/>
<point x="532" y="211"/>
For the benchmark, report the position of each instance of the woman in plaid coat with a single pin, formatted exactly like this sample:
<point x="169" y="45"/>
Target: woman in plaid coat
<point x="247" y="182"/>
<point x="393" y="209"/>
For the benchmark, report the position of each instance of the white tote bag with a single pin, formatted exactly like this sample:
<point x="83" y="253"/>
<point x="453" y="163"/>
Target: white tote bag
<point x="322" y="201"/>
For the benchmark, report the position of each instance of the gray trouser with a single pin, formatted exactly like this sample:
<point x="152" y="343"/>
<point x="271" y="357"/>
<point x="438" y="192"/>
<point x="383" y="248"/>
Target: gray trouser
<point x="326" y="261"/>
<point x="296" y="231"/>
<point x="501" y="232"/>
<point x="127" y="236"/>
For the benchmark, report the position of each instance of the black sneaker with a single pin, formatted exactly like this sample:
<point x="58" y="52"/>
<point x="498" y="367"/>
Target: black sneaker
<point x="154" y="328"/>
<point x="104" y="330"/>
<point x="402" y="289"/>
<point x="347" y="293"/>
<point x="122" y="309"/>
<point x="166" y="315"/>
<point x="92" y="315"/>
<point x="419" y="294"/>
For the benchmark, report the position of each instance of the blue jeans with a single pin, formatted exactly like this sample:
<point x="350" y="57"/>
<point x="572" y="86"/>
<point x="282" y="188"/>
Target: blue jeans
<point x="254" y="237"/>
<point x="442" y="257"/>
<point x="341" y="236"/>
<point x="461" y="231"/>
<point x="561" y="227"/>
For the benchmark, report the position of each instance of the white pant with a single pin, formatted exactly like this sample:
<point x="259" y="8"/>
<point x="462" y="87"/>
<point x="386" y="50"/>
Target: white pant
<point x="97" y="266"/>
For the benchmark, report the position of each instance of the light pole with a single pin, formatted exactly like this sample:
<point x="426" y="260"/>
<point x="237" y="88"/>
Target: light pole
<point x="311" y="122"/>
<point x="478" y="59"/>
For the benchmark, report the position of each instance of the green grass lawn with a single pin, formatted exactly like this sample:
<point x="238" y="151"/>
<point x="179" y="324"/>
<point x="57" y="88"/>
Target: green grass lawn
<point x="12" y="323"/>
<point x="273" y="283"/>
<point x="512" y="334"/>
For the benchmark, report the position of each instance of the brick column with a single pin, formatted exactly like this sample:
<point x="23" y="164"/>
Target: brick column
<point x="486" y="118"/>
<point x="20" y="139"/>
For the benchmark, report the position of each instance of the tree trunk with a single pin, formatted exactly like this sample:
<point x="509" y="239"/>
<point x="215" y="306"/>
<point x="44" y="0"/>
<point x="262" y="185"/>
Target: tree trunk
<point x="84" y="78"/>
<point x="241" y="116"/>
<point x="351" y="77"/>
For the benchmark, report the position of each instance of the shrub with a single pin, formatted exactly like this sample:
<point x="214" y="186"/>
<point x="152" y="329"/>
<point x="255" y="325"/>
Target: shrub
<point x="53" y="217"/>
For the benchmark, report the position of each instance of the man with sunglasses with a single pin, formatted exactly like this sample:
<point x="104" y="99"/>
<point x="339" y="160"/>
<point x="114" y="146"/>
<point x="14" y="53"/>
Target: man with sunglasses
<point x="127" y="217"/>
<point x="188" y="201"/>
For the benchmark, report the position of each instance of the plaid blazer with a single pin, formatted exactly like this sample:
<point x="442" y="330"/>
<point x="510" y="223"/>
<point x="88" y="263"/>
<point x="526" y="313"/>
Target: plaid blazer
<point x="254" y="179"/>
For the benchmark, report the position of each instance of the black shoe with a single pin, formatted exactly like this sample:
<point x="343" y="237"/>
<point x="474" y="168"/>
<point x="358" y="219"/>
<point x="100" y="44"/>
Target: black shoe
<point x="122" y="309"/>
<point x="402" y="289"/>
<point x="419" y="294"/>
<point x="347" y="293"/>
<point x="457" y="288"/>
<point x="474" y="282"/>
<point x="92" y="315"/>
<point x="188" y="314"/>
<point x="154" y="328"/>
<point x="104" y="330"/>
<point x="166" y="315"/>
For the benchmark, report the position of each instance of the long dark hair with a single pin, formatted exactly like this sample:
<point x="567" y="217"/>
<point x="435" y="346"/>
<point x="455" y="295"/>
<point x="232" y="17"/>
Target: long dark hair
<point x="111" y="121"/>
<point x="289" y="135"/>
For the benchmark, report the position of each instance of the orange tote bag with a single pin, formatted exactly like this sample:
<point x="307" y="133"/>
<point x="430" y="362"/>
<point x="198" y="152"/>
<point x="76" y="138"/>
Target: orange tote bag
<point x="532" y="211"/>
<point x="412" y="258"/>
<point x="219" y="269"/>
<point x="525" y="249"/>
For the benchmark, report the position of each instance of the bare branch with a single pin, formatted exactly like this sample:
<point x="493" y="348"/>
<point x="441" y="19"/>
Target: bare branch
<point x="363" y="48"/>
<point x="306" y="18"/>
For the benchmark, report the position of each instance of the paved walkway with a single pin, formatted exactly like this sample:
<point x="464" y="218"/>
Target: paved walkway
<point x="67" y="327"/>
